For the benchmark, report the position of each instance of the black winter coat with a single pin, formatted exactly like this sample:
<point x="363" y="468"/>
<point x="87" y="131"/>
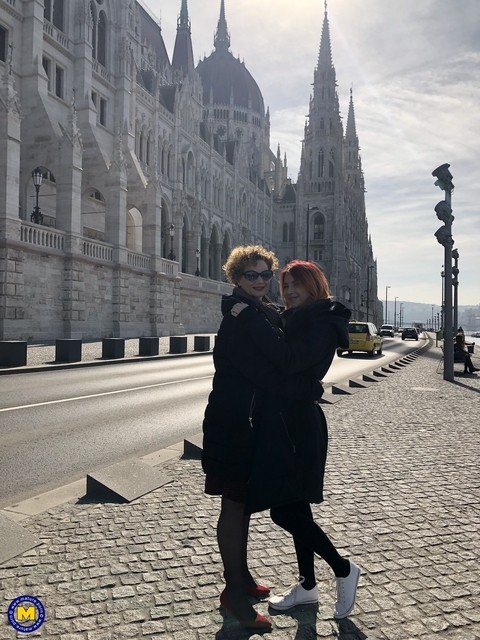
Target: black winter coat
<point x="292" y="440"/>
<point x="240" y="370"/>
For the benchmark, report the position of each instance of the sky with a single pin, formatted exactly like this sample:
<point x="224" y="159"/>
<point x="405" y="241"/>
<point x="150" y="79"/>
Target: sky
<point x="414" y="69"/>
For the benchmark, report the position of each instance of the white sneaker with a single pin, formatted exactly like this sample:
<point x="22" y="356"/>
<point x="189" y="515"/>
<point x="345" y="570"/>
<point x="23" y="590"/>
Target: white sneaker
<point x="346" y="592"/>
<point x="294" y="596"/>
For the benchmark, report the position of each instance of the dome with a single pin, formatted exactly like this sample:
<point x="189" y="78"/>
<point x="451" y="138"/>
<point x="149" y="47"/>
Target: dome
<point x="227" y="81"/>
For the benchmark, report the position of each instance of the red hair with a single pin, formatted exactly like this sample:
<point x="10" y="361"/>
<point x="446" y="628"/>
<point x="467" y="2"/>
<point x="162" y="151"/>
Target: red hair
<point x="310" y="276"/>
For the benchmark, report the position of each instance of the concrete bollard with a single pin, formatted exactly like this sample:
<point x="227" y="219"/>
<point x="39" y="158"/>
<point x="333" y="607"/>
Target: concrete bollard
<point x="113" y="348"/>
<point x="68" y="350"/>
<point x="148" y="346"/>
<point x="13" y="353"/>
<point x="201" y="343"/>
<point x="178" y="344"/>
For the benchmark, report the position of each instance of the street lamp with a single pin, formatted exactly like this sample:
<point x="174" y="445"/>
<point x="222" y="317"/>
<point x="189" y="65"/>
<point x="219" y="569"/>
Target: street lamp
<point x="395" y="314"/>
<point x="386" y="303"/>
<point x="171" y="230"/>
<point x="37" y="178"/>
<point x="368" y="289"/>
<point x="197" y="255"/>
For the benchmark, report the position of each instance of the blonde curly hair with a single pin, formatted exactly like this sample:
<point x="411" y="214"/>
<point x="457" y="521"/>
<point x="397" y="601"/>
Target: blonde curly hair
<point x="241" y="258"/>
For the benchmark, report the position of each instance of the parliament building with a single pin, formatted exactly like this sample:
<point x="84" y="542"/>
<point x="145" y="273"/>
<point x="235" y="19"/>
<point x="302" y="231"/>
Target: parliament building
<point x="127" y="175"/>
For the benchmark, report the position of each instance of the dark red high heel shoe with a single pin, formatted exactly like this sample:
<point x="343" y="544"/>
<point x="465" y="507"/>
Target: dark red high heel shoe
<point x="257" y="591"/>
<point x="243" y="609"/>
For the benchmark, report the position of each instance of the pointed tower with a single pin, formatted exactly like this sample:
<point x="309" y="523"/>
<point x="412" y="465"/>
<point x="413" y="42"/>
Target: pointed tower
<point x="353" y="163"/>
<point x="323" y="130"/>
<point x="182" y="61"/>
<point x="320" y="216"/>
<point x="221" y="41"/>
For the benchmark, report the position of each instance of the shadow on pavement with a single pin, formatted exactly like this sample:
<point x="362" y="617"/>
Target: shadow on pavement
<point x="466" y="386"/>
<point x="232" y="630"/>
<point x="306" y="617"/>
<point x="347" y="630"/>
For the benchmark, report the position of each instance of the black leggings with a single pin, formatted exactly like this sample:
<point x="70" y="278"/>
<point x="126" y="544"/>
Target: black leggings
<point x="309" y="539"/>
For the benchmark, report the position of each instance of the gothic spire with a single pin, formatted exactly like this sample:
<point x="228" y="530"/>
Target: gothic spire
<point x="351" y="131"/>
<point x="183" y="20"/>
<point x="182" y="60"/>
<point x="221" y="41"/>
<point x="325" y="52"/>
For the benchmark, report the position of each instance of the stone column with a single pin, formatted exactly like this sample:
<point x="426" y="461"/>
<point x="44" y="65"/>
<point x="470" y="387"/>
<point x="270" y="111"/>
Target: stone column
<point x="69" y="181"/>
<point x="116" y="203"/>
<point x="12" y="298"/>
<point x="204" y="257"/>
<point x="218" y="261"/>
<point x="74" y="313"/>
<point x="189" y="258"/>
<point x="152" y="221"/>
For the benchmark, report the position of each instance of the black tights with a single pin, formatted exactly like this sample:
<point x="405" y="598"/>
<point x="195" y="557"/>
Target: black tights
<point x="309" y="539"/>
<point x="232" y="536"/>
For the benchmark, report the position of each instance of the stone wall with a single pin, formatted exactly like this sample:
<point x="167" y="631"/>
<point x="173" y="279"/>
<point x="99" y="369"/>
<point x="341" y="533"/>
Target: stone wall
<point x="49" y="295"/>
<point x="200" y="302"/>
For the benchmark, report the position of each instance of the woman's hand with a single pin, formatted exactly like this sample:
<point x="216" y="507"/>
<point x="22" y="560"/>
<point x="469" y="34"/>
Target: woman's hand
<point x="238" y="308"/>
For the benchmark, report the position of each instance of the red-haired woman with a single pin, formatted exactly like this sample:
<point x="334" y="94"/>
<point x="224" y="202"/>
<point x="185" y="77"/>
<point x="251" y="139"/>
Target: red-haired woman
<point x="291" y="446"/>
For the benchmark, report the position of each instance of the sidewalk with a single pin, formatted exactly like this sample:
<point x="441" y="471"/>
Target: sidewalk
<point x="402" y="499"/>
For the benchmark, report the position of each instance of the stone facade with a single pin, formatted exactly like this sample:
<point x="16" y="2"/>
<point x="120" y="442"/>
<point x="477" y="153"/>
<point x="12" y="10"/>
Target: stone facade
<point x="150" y="175"/>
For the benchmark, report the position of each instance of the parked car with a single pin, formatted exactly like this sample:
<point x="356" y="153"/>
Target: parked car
<point x="363" y="336"/>
<point x="387" y="330"/>
<point x="410" y="332"/>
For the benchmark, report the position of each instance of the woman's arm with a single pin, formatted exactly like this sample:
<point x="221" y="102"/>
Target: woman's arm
<point x="315" y="347"/>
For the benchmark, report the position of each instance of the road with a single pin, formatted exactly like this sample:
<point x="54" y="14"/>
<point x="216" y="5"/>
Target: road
<point x="57" y="426"/>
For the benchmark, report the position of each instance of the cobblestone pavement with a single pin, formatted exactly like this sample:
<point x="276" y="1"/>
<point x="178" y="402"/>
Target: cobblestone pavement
<point x="402" y="499"/>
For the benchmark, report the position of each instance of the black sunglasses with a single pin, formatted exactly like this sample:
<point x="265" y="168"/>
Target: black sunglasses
<point x="251" y="276"/>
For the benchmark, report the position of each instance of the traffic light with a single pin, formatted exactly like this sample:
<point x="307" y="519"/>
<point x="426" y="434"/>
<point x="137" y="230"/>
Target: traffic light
<point x="443" y="209"/>
<point x="444" y="212"/>
<point x="444" y="236"/>
<point x="444" y="177"/>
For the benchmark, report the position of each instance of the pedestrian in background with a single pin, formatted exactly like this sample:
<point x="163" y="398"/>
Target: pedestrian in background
<point x="461" y="351"/>
<point x="291" y="448"/>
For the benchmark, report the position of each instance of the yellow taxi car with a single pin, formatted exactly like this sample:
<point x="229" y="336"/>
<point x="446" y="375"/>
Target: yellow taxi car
<point x="363" y="336"/>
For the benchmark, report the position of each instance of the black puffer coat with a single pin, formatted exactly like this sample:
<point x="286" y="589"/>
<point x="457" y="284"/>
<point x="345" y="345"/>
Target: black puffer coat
<point x="291" y="441"/>
<point x="240" y="370"/>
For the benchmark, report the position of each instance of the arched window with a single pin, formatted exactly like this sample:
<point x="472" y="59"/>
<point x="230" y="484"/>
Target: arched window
<point x="331" y="164"/>
<point x="285" y="232"/>
<point x="141" y="147"/>
<point x="148" y="150"/>
<point x="53" y="12"/>
<point x="99" y="35"/>
<point x="319" y="227"/>
<point x="102" y="39"/>
<point x="321" y="164"/>
<point x="93" y="13"/>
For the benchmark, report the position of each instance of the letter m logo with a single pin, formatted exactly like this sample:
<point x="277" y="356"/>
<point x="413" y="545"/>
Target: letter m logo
<point x="25" y="614"/>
